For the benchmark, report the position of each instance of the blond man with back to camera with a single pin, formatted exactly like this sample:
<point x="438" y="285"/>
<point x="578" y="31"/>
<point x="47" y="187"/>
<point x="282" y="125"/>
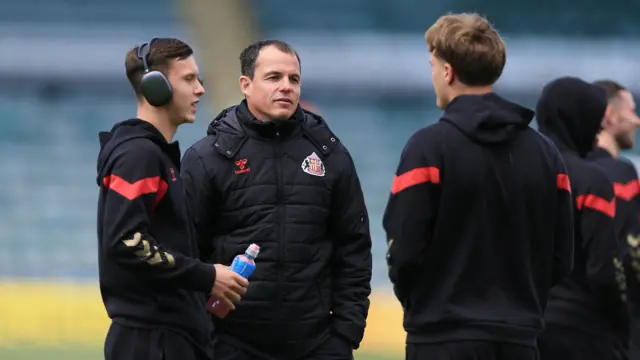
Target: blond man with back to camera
<point x="479" y="221"/>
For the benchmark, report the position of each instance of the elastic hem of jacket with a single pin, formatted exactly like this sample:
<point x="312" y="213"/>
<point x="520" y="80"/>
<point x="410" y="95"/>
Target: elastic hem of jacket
<point x="291" y="352"/>
<point x="571" y="316"/>
<point x="202" y="345"/>
<point x="485" y="331"/>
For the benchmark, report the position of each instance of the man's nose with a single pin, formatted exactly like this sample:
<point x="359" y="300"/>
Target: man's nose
<point x="285" y="85"/>
<point x="200" y="90"/>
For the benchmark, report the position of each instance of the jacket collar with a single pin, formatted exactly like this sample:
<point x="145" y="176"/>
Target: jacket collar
<point x="269" y="129"/>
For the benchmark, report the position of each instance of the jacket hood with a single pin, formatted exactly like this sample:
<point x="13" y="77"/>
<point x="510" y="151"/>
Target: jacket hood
<point x="570" y="112"/>
<point x="227" y="131"/>
<point x="240" y="113"/>
<point x="488" y="118"/>
<point x="226" y="121"/>
<point x="234" y="125"/>
<point x="123" y="132"/>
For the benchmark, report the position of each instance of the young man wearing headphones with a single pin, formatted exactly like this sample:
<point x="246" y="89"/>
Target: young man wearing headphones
<point x="152" y="283"/>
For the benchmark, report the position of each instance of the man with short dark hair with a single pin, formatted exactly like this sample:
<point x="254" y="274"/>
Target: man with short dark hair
<point x="152" y="284"/>
<point x="271" y="173"/>
<point x="618" y="132"/>
<point x="479" y="221"/>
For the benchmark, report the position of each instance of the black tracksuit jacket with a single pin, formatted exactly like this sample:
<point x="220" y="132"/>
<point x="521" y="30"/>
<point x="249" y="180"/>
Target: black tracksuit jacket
<point x="149" y="273"/>
<point x="290" y="187"/>
<point x="479" y="225"/>
<point x="570" y="111"/>
<point x="626" y="188"/>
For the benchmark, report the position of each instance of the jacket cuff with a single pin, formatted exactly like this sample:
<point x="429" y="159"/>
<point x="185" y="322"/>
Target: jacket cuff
<point x="203" y="277"/>
<point x="351" y="332"/>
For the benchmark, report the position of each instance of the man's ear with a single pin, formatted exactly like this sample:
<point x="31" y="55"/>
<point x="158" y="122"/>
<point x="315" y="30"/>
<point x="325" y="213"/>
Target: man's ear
<point x="245" y="84"/>
<point x="449" y="74"/>
<point x="607" y="119"/>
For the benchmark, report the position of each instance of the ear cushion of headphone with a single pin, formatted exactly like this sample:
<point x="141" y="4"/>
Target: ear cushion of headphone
<point x="156" y="88"/>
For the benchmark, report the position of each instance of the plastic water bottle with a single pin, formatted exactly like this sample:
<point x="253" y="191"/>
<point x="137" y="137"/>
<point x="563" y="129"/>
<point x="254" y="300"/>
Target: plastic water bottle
<point x="243" y="265"/>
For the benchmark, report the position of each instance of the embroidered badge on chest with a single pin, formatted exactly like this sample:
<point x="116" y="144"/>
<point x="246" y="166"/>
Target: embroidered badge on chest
<point x="242" y="166"/>
<point x="312" y="165"/>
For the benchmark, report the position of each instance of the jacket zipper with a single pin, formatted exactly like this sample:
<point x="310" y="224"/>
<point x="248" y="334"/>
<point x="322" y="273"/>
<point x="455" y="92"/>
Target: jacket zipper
<point x="280" y="225"/>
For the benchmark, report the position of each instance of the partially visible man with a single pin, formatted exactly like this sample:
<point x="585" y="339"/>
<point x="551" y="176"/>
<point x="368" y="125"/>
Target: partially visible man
<point x="479" y="221"/>
<point x="586" y="312"/>
<point x="152" y="286"/>
<point x="271" y="173"/>
<point x="618" y="133"/>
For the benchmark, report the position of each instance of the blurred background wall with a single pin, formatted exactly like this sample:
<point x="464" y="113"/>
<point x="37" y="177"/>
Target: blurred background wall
<point x="365" y="69"/>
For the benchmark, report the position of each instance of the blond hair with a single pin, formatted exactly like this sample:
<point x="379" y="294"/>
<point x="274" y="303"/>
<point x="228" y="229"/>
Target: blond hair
<point x="472" y="47"/>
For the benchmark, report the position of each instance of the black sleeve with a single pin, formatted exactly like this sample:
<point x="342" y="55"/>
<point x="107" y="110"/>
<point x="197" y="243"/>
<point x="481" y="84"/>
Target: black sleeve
<point x="564" y="232"/>
<point x="597" y="210"/>
<point x="201" y="200"/>
<point x="349" y="226"/>
<point x="131" y="191"/>
<point x="627" y="216"/>
<point x="636" y="199"/>
<point x="635" y="190"/>
<point x="631" y="235"/>
<point x="410" y="211"/>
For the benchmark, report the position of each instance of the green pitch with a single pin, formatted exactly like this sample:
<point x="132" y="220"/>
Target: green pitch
<point x="31" y="353"/>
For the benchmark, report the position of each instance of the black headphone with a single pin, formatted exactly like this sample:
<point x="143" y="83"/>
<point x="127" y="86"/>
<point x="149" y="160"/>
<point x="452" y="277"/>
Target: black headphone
<point x="154" y="85"/>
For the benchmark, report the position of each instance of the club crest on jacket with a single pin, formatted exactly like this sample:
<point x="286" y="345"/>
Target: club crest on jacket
<point x="312" y="165"/>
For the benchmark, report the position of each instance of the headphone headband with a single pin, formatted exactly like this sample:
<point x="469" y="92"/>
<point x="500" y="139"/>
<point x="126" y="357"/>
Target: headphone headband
<point x="144" y="55"/>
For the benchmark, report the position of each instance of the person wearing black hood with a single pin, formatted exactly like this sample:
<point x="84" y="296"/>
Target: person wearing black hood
<point x="586" y="314"/>
<point x="271" y="173"/>
<point x="152" y="284"/>
<point x="479" y="221"/>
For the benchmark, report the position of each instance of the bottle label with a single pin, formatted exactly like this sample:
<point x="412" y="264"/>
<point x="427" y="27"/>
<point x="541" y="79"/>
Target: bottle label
<point x="242" y="266"/>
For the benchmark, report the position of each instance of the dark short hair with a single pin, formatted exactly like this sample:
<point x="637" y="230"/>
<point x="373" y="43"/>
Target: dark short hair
<point x="611" y="87"/>
<point x="161" y="53"/>
<point x="470" y="44"/>
<point x="249" y="56"/>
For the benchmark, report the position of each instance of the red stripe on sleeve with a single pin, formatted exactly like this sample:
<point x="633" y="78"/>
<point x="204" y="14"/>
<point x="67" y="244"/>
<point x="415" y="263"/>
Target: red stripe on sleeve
<point x="564" y="183"/>
<point x="627" y="191"/>
<point x="141" y="187"/>
<point x="597" y="203"/>
<point x="415" y="177"/>
<point x="162" y="191"/>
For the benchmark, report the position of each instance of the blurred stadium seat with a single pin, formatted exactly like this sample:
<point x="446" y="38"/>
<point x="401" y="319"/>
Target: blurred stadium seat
<point x="82" y="12"/>
<point x="569" y="17"/>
